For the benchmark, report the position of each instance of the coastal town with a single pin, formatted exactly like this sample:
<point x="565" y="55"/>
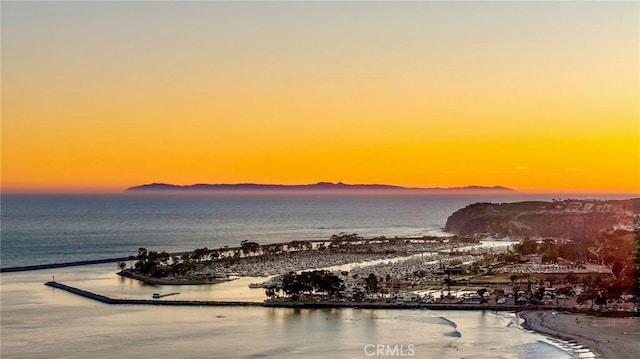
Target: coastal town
<point x="598" y="274"/>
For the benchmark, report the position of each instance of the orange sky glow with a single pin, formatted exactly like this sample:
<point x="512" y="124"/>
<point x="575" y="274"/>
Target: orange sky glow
<point x="539" y="97"/>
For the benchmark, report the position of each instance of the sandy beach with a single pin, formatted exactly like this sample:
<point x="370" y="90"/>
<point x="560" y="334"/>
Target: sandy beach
<point x="609" y="338"/>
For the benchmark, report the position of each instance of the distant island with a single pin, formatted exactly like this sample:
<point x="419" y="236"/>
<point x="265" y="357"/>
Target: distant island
<point x="320" y="186"/>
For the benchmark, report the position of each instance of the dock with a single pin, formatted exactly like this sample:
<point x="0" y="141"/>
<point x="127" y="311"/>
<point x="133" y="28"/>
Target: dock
<point x="158" y="295"/>
<point x="108" y="300"/>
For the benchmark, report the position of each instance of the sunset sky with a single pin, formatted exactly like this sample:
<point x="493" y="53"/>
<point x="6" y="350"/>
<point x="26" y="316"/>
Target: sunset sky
<point x="100" y="96"/>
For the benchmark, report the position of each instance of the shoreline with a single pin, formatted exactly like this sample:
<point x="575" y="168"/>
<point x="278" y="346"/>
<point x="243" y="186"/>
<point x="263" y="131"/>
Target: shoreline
<point x="605" y="337"/>
<point x="464" y="240"/>
<point x="316" y="304"/>
<point x="286" y="304"/>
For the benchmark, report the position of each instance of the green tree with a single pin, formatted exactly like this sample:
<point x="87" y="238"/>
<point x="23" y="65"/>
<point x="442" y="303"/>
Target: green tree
<point x="371" y="283"/>
<point x="568" y="291"/>
<point x="481" y="292"/>
<point x="248" y="247"/>
<point x="199" y="253"/>
<point x="270" y="293"/>
<point x="292" y="286"/>
<point x="528" y="246"/>
<point x="330" y="283"/>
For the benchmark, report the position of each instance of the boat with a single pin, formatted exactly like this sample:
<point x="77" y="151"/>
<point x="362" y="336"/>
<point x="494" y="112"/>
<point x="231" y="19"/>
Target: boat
<point x="158" y="295"/>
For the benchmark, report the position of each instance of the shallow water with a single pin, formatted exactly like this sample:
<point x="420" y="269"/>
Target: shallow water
<point x="39" y="322"/>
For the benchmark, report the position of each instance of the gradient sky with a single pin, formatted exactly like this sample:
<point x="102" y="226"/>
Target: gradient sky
<point x="99" y="96"/>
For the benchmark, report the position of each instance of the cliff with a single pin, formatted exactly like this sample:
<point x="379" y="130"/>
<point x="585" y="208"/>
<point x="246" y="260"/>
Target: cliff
<point x="564" y="219"/>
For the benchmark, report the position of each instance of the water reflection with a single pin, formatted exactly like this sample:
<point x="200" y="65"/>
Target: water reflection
<point x="39" y="321"/>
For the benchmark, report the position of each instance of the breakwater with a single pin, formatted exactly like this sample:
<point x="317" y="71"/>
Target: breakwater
<point x="108" y="300"/>
<point x="290" y="304"/>
<point x="75" y="263"/>
<point x="62" y="265"/>
<point x="329" y="304"/>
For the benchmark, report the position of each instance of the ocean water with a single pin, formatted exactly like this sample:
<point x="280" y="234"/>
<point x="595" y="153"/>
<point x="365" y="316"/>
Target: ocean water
<point x="41" y="322"/>
<point x="38" y="229"/>
<point x="58" y="228"/>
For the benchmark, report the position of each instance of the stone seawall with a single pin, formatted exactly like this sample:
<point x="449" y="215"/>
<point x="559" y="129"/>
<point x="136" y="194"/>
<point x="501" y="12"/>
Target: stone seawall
<point x="289" y="304"/>
<point x="320" y="305"/>
<point x="108" y="300"/>
<point x="62" y="265"/>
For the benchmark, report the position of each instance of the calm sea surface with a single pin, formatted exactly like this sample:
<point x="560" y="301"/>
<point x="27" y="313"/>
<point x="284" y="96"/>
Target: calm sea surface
<point x="38" y="229"/>
<point x="40" y="322"/>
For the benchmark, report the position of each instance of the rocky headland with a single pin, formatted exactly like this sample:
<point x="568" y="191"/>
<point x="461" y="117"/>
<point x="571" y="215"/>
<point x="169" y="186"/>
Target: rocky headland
<point x="561" y="219"/>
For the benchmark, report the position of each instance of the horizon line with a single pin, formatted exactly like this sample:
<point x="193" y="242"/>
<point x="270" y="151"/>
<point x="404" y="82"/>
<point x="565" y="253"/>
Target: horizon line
<point x="120" y="191"/>
<point x="450" y="189"/>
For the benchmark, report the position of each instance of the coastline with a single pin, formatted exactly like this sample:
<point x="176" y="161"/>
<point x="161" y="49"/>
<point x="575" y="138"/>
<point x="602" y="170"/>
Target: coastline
<point x="608" y="338"/>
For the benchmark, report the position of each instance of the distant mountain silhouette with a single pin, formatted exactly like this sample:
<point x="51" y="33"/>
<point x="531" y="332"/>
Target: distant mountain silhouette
<point x="320" y="186"/>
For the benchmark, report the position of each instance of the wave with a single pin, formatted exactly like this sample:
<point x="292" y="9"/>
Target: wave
<point x="453" y="334"/>
<point x="420" y="317"/>
<point x="450" y="322"/>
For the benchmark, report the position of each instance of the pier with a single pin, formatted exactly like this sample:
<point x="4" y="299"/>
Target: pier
<point x="297" y="305"/>
<point x="62" y="265"/>
<point x="108" y="300"/>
